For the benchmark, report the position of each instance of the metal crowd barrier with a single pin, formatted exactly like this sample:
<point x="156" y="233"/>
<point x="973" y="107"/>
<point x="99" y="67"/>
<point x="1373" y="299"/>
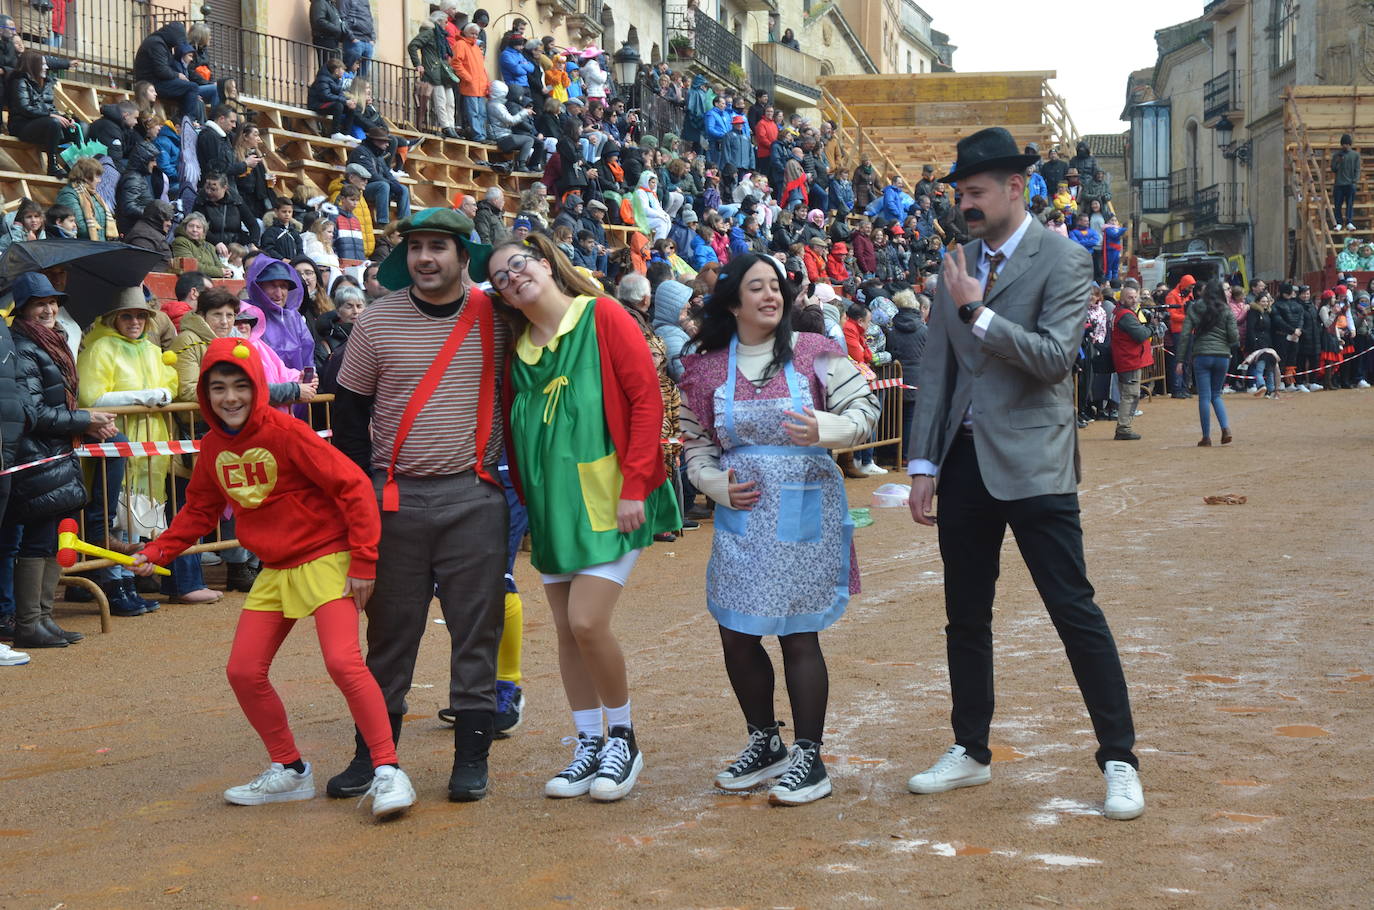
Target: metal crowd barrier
<point x="889" y="431"/>
<point x="182" y="421"/>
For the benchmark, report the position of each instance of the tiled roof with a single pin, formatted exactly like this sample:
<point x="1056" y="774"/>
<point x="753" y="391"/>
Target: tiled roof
<point x="1108" y="145"/>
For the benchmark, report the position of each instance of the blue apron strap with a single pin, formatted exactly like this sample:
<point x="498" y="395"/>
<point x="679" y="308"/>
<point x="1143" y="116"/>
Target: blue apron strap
<point x="794" y="386"/>
<point x="729" y="403"/>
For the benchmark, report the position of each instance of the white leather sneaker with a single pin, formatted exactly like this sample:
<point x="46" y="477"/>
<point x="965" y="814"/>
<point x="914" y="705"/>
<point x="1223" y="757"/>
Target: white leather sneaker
<point x="277" y="784"/>
<point x="1125" y="798"/>
<point x="954" y="770"/>
<point x="12" y="658"/>
<point x="391" y="791"/>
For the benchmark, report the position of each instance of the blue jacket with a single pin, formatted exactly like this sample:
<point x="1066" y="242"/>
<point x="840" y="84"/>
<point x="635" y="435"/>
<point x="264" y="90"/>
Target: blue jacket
<point x="515" y="67"/>
<point x="739" y="243"/>
<point x="701" y="253"/>
<point x="325" y="90"/>
<point x="739" y="151"/>
<point x="895" y="203"/>
<point x="698" y="103"/>
<point x="168" y="144"/>
<point x="1036" y="187"/>
<point x="717" y="122"/>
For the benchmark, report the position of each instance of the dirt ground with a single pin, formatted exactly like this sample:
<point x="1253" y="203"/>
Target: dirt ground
<point x="1245" y="632"/>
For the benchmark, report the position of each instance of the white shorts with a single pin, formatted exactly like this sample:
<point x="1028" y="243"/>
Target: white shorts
<point x="618" y="571"/>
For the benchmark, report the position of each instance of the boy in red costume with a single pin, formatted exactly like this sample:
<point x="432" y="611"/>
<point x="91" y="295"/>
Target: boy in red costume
<point x="311" y="515"/>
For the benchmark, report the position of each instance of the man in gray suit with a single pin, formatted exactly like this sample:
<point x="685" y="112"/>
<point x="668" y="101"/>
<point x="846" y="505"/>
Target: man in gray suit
<point x="995" y="423"/>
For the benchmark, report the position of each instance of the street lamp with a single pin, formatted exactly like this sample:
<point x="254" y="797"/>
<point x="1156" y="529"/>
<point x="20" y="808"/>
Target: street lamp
<point x="1224" y="130"/>
<point x="625" y="64"/>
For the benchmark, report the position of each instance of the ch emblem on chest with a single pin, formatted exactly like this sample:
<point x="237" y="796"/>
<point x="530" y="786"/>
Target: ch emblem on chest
<point x="248" y="479"/>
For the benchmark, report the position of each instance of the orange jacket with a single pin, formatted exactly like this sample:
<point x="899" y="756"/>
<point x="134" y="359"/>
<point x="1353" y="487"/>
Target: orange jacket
<point x="815" y="265"/>
<point x="1175" y="300"/>
<point x="471" y="68"/>
<point x="856" y="345"/>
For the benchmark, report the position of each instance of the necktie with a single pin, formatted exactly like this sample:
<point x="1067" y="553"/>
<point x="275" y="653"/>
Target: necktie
<point x="994" y="263"/>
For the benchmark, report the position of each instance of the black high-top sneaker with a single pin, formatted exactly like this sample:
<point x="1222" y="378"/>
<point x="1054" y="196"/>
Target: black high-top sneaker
<point x="576" y="779"/>
<point x="805" y="779"/>
<point x="764" y="758"/>
<point x="472" y="734"/>
<point x="621" y="763"/>
<point x="356" y="779"/>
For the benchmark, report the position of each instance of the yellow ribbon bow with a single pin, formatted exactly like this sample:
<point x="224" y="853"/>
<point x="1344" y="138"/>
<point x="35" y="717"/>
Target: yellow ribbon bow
<point x="554" y="391"/>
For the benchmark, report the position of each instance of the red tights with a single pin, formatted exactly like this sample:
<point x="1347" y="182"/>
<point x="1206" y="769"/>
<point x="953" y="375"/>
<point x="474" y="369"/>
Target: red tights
<point x="256" y="641"/>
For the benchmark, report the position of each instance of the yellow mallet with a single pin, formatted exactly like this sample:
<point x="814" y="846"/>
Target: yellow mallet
<point x="68" y="545"/>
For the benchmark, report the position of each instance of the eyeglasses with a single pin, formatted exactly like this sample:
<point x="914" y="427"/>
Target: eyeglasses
<point x="514" y="266"/>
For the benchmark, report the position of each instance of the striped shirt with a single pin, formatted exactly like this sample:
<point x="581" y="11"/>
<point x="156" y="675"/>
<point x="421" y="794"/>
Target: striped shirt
<point x="388" y="353"/>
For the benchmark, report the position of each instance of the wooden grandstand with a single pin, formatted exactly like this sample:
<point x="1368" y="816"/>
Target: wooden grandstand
<point x="918" y="118"/>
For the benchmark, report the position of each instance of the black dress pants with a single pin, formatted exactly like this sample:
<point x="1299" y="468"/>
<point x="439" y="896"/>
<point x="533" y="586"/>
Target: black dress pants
<point x="972" y="525"/>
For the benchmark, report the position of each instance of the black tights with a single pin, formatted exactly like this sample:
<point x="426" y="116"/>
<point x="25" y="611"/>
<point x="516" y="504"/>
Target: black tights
<point x="751" y="675"/>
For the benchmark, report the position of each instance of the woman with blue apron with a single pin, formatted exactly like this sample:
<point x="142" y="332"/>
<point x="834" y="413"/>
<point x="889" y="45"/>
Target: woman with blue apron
<point x="761" y="407"/>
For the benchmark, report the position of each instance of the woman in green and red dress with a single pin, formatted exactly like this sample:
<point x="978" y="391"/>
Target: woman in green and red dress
<point x="585" y="421"/>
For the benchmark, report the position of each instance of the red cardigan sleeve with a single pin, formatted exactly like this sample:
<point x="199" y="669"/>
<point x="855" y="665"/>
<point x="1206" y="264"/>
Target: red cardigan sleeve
<point x="631" y="397"/>
<point x="199" y="515"/>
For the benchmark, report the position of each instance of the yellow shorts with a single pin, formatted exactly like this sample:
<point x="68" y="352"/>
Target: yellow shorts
<point x="298" y="592"/>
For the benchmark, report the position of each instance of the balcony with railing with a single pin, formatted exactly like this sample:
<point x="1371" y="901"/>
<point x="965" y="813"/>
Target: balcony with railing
<point x="759" y="73"/>
<point x="796" y="75"/>
<point x="1220" y="98"/>
<point x="697" y="40"/>
<point x="1182" y="189"/>
<point x="1154" y="195"/>
<point x="1220" y="207"/>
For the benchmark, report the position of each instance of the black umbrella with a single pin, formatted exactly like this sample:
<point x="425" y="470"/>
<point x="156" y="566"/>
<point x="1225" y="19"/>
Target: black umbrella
<point x="96" y="270"/>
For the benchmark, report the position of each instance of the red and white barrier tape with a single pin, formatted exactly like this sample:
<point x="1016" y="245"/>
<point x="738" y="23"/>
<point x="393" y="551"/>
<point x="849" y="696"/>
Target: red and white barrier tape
<point x="878" y="385"/>
<point x="1279" y="368"/>
<point x="128" y="450"/>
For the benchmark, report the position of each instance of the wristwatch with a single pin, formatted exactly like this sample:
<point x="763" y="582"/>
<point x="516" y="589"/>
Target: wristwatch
<point x="967" y="310"/>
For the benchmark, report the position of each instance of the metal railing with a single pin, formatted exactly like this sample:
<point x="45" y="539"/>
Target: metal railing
<point x="693" y="34"/>
<point x="104" y="35"/>
<point x="1220" y="204"/>
<point x="657" y="114"/>
<point x="1182" y="188"/>
<point x="792" y="69"/>
<point x="890" y="430"/>
<point x="1154" y="195"/>
<point x="1220" y="96"/>
<point x="758" y="72"/>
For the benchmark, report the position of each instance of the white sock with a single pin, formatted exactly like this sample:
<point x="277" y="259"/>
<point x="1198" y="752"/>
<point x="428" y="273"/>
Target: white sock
<point x="618" y="717"/>
<point x="588" y="722"/>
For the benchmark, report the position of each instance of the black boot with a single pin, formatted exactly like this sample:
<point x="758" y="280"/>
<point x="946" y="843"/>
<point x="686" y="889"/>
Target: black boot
<point x="240" y="576"/>
<point x="131" y="589"/>
<point x="123" y="601"/>
<point x="357" y="777"/>
<point x="472" y="735"/>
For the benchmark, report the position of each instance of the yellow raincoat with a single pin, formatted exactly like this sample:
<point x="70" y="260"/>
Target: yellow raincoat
<point x="111" y="363"/>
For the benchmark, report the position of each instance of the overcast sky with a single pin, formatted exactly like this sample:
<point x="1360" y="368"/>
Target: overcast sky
<point x="999" y="35"/>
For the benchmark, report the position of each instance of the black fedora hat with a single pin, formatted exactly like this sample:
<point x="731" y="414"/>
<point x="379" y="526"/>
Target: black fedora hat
<point x="992" y="149"/>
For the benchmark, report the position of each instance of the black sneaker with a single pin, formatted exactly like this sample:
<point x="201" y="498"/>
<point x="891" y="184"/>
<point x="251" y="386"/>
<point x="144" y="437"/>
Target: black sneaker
<point x="356" y="779"/>
<point x="576" y="779"/>
<point x="620" y="764"/>
<point x="472" y="734"/>
<point x="805" y="780"/>
<point x="764" y="758"/>
<point x="510" y="708"/>
<point x="690" y="524"/>
<point x="1125" y="434"/>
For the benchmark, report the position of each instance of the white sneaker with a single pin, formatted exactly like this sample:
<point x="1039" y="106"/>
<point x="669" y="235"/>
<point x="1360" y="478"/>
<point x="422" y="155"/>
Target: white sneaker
<point x="1139" y="413"/>
<point x="1125" y="799"/>
<point x="1362" y="384"/>
<point x="872" y="469"/>
<point x="391" y="791"/>
<point x="1227" y="390"/>
<point x="954" y="770"/>
<point x="341" y="137"/>
<point x="1351" y="227"/>
<point x="278" y="784"/>
<point x="12" y="658"/>
<point x="399" y="175"/>
<point x="1302" y="387"/>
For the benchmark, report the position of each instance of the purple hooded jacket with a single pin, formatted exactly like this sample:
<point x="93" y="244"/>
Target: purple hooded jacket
<point x="285" y="331"/>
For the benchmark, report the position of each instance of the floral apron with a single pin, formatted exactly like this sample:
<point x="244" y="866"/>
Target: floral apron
<point x="783" y="566"/>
